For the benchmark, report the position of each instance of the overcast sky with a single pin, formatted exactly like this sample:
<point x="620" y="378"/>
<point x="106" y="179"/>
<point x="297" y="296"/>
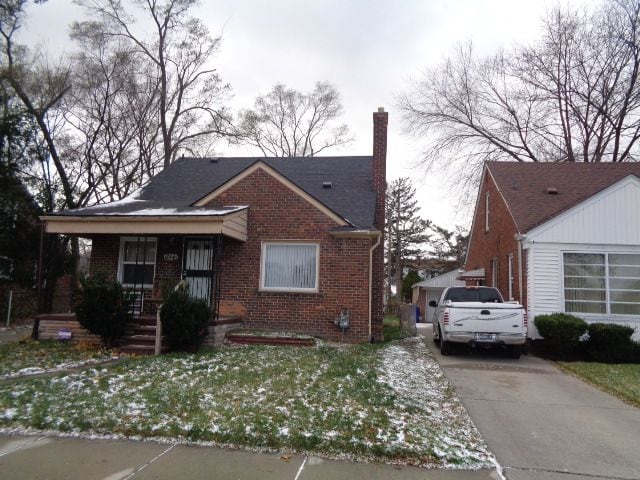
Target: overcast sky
<point x="369" y="49"/>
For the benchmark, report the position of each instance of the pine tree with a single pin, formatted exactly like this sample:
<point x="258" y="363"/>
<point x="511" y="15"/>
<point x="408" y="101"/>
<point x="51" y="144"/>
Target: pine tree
<point x="405" y="231"/>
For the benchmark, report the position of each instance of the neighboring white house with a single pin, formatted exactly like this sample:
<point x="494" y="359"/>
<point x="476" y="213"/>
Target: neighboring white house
<point x="561" y="237"/>
<point x="431" y="289"/>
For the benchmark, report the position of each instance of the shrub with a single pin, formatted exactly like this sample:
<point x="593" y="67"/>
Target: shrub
<point x="103" y="309"/>
<point x="611" y="343"/>
<point x="561" y="332"/>
<point x="184" y="321"/>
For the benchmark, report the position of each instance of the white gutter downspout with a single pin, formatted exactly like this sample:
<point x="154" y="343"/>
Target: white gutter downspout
<point x="379" y="236"/>
<point x="520" y="238"/>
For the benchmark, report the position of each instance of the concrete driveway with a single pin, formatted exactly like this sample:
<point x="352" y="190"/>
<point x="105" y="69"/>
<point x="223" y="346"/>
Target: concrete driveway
<point x="541" y="423"/>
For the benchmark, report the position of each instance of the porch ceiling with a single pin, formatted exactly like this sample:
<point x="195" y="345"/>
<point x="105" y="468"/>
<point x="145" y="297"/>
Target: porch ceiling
<point x="232" y="224"/>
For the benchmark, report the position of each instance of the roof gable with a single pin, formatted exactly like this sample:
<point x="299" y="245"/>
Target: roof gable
<point x="610" y="217"/>
<point x="260" y="165"/>
<point x="525" y="186"/>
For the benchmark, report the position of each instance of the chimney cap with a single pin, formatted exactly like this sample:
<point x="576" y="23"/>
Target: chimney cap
<point x="380" y="109"/>
<point x="552" y="191"/>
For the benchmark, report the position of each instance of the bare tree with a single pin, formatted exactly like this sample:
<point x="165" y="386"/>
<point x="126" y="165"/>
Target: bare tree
<point x="41" y="88"/>
<point x="112" y="118"/>
<point x="287" y="123"/>
<point x="571" y="96"/>
<point x="190" y="93"/>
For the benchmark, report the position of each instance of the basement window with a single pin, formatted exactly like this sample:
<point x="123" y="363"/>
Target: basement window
<point x="289" y="267"/>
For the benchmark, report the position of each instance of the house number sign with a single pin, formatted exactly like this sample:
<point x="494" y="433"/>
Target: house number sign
<point x="170" y="257"/>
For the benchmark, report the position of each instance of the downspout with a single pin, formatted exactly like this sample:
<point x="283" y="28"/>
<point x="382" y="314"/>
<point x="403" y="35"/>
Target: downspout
<point x="520" y="238"/>
<point x="379" y="236"/>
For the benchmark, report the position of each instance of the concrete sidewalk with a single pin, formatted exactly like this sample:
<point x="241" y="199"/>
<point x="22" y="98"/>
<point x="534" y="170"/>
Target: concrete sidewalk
<point x="541" y="423"/>
<point x="46" y="457"/>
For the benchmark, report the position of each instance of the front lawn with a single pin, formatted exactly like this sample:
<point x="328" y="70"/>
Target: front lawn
<point x="621" y="380"/>
<point x="31" y="357"/>
<point x="387" y="402"/>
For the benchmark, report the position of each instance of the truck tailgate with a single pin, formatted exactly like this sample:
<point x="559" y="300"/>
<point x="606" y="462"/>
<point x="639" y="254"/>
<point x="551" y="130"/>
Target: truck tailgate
<point x="485" y="318"/>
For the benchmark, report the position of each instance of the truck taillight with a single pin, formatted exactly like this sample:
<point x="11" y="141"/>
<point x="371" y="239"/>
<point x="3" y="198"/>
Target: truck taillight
<point x="525" y="319"/>
<point x="445" y="318"/>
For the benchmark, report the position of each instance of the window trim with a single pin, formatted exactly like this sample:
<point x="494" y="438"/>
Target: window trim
<point x="607" y="300"/>
<point x="494" y="272"/>
<point x="486" y="212"/>
<point x="263" y="257"/>
<point x="510" y="275"/>
<point x="146" y="286"/>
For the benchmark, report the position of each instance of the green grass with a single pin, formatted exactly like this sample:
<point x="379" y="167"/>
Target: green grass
<point x="621" y="380"/>
<point x="32" y="356"/>
<point x="357" y="401"/>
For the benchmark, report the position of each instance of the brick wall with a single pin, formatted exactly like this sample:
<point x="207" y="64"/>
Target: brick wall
<point x="105" y="252"/>
<point x="498" y="242"/>
<point x="276" y="213"/>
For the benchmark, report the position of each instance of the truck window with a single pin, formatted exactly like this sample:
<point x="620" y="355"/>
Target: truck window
<point x="465" y="294"/>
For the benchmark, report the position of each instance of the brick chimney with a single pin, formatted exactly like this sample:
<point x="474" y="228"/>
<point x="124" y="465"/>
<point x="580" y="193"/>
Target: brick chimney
<point x="380" y="120"/>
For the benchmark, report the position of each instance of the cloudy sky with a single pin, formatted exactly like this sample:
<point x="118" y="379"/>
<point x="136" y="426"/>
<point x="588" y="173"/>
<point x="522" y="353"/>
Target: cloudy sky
<point x="369" y="49"/>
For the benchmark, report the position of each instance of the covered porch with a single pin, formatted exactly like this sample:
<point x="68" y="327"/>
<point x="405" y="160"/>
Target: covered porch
<point x="149" y="254"/>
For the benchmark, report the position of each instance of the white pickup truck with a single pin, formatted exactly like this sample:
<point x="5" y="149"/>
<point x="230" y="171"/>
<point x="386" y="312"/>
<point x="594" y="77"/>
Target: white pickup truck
<point x="478" y="316"/>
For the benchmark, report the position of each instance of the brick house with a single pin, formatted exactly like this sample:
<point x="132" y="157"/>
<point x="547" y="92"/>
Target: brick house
<point x="560" y="237"/>
<point x="281" y="243"/>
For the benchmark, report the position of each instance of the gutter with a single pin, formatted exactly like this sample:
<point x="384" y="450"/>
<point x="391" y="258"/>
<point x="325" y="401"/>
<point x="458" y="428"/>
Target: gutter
<point x="379" y="237"/>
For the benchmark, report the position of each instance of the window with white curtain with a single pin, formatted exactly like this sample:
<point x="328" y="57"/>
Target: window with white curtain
<point x="290" y="266"/>
<point x="602" y="283"/>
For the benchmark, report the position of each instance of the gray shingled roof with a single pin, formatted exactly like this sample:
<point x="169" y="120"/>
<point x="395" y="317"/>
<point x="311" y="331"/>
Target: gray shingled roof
<point x="187" y="180"/>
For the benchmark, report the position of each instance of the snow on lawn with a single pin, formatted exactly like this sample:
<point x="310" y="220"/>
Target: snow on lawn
<point x="427" y="409"/>
<point x="389" y="403"/>
<point x="32" y="357"/>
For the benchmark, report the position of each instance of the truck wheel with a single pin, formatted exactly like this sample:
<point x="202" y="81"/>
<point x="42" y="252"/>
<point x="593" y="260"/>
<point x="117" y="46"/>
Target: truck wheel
<point x="515" y="351"/>
<point x="445" y="347"/>
<point x="436" y="339"/>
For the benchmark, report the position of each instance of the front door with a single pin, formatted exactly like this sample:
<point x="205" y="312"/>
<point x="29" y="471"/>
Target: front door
<point x="198" y="267"/>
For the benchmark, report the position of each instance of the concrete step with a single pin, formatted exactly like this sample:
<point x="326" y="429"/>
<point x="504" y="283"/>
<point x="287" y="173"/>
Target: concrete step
<point x="140" y="330"/>
<point x="138" y="340"/>
<point x="138" y="349"/>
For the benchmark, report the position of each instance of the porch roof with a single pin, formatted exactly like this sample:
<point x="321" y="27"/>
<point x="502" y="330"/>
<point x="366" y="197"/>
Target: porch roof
<point x="477" y="274"/>
<point x="152" y="220"/>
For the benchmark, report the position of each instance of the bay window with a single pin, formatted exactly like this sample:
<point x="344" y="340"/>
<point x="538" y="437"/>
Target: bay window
<point x="602" y="283"/>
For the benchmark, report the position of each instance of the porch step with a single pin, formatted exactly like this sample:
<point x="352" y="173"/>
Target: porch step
<point x="139" y="340"/>
<point x="140" y="336"/>
<point x="145" y="320"/>
<point x="139" y="349"/>
<point x="140" y="330"/>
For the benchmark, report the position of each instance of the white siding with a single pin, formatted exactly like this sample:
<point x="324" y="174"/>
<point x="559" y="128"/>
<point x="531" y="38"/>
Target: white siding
<point x="611" y="217"/>
<point x="544" y="282"/>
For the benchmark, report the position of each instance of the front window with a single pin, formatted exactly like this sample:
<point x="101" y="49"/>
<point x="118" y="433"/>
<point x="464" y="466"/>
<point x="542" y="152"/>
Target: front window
<point x="137" y="261"/>
<point x="290" y="267"/>
<point x="602" y="283"/>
